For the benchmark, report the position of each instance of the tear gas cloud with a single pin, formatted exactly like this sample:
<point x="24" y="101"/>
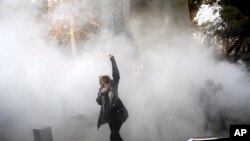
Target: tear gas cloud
<point x="40" y="85"/>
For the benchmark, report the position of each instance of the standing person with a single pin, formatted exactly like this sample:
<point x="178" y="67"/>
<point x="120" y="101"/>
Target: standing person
<point x="208" y="102"/>
<point x="112" y="110"/>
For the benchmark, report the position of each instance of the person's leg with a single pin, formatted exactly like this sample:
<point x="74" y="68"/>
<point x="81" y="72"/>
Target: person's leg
<point x="207" y="121"/>
<point x="115" y="128"/>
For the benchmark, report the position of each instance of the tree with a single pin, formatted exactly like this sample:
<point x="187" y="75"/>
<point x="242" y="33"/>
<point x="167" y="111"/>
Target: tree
<point x="236" y="26"/>
<point x="205" y="21"/>
<point x="194" y="6"/>
<point x="232" y="32"/>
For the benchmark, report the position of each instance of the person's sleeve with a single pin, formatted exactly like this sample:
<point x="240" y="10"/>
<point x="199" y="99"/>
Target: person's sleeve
<point x="99" y="98"/>
<point x="115" y="71"/>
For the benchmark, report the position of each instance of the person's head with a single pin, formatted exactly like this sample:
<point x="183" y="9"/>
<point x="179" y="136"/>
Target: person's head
<point x="219" y="87"/>
<point x="209" y="82"/>
<point x="104" y="80"/>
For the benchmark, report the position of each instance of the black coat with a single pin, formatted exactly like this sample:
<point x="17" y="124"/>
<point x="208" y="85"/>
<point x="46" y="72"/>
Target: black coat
<point x="114" y="110"/>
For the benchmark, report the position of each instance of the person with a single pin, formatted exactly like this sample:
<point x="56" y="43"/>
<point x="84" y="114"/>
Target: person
<point x="208" y="101"/>
<point x="112" y="110"/>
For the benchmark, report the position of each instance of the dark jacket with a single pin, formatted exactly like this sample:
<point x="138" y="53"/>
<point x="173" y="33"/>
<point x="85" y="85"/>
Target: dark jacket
<point x="112" y="109"/>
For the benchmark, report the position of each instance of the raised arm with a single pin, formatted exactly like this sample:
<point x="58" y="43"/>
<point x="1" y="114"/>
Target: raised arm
<point x="115" y="71"/>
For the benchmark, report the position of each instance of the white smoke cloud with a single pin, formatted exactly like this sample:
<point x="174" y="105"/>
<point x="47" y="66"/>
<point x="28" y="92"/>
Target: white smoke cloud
<point x="39" y="85"/>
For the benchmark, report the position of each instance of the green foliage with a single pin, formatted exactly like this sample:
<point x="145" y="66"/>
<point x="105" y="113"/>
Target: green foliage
<point x="233" y="30"/>
<point x="236" y="23"/>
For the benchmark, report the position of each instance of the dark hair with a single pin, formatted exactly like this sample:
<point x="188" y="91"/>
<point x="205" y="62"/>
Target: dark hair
<point x="105" y="78"/>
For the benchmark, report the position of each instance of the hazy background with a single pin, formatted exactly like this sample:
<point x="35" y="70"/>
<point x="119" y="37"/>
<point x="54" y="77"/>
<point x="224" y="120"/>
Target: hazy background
<point x="41" y="86"/>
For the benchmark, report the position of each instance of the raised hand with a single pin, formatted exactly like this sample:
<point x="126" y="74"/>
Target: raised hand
<point x="111" y="56"/>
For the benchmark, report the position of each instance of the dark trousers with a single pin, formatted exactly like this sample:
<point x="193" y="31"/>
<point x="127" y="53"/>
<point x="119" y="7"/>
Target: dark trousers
<point x="115" y="128"/>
